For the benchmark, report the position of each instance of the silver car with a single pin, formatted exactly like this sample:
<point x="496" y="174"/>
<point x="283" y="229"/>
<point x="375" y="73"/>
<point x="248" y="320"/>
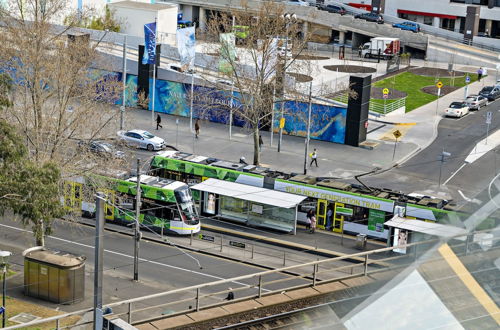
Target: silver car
<point x="142" y="139"/>
<point x="475" y="102"/>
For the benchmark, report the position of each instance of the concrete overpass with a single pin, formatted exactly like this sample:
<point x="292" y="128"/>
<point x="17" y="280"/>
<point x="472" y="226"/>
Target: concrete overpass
<point x="432" y="46"/>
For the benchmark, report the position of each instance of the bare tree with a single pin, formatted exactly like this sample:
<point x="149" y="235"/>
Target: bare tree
<point x="269" y="42"/>
<point x="58" y="97"/>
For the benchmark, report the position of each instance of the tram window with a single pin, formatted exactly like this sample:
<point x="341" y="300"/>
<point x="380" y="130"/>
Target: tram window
<point x="359" y="215"/>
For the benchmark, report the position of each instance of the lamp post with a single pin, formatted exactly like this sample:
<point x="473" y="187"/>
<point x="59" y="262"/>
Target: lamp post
<point x="288" y="20"/>
<point x="4" y="258"/>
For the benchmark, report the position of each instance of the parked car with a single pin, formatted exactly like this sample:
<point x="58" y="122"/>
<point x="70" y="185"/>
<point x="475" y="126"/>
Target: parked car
<point x="297" y="3"/>
<point x="483" y="35"/>
<point x="142" y="139"/>
<point x="475" y="102"/>
<point x="457" y="109"/>
<point x="371" y="17"/>
<point x="335" y="9"/>
<point x="409" y="26"/>
<point x="490" y="92"/>
<point x="178" y="69"/>
<point x="101" y="148"/>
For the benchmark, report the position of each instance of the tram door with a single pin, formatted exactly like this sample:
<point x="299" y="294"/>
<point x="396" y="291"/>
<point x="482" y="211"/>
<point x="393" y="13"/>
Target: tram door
<point x="73" y="196"/>
<point x="109" y="209"/>
<point x="321" y="213"/>
<point x="338" y="219"/>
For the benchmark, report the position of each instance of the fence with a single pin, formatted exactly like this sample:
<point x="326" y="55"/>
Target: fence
<point x="310" y="274"/>
<point x="387" y="107"/>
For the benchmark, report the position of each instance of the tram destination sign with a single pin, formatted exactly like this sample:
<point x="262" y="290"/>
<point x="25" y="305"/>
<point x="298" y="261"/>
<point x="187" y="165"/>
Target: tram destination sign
<point x="237" y="244"/>
<point x="343" y="211"/>
<point x="207" y="237"/>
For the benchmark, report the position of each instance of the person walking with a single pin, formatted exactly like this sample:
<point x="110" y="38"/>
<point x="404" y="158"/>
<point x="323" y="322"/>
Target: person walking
<point x="314" y="158"/>
<point x="158" y="122"/>
<point x="197" y="128"/>
<point x="308" y="218"/>
<point x="313" y="223"/>
<point x="261" y="142"/>
<point x="479" y="74"/>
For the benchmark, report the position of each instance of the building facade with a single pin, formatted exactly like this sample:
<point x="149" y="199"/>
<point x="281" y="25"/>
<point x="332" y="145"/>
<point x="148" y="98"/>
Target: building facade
<point x="445" y="14"/>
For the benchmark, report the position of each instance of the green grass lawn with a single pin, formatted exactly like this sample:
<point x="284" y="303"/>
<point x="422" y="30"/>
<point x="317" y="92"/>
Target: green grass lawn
<point x="411" y="84"/>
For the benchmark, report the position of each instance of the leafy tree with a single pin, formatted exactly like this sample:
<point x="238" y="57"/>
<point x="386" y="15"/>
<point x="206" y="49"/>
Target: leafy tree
<point x="27" y="189"/>
<point x="106" y="22"/>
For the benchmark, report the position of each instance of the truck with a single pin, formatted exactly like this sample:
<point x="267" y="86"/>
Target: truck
<point x="386" y="47"/>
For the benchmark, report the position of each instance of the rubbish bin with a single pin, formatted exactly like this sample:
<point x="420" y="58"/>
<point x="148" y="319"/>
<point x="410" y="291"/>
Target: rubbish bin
<point x="361" y="241"/>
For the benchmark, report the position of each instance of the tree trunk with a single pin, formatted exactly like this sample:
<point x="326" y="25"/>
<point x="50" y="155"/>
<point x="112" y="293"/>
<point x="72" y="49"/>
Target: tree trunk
<point x="40" y="234"/>
<point x="256" y="151"/>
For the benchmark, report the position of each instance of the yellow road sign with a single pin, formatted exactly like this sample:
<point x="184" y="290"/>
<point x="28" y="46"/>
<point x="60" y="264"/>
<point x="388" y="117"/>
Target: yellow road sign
<point x="439" y="84"/>
<point x="385" y="91"/>
<point x="282" y="122"/>
<point x="397" y="134"/>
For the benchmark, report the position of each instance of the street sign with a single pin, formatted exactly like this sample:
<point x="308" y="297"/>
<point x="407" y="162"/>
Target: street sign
<point x="439" y="84"/>
<point x="385" y="91"/>
<point x="282" y="122"/>
<point x="397" y="134"/>
<point x="488" y="117"/>
<point x="237" y="244"/>
<point x="467" y="79"/>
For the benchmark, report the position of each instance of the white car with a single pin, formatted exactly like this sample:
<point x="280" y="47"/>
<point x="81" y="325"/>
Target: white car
<point x="457" y="109"/>
<point x="142" y="139"/>
<point x="178" y="69"/>
<point x="297" y="3"/>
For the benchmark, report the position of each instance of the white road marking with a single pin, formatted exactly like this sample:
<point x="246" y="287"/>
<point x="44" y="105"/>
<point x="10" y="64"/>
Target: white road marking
<point x="483" y="146"/>
<point x="140" y="259"/>
<point x="454" y="174"/>
<point x="475" y="201"/>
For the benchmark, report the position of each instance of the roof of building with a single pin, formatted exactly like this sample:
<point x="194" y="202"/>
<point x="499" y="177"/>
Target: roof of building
<point x="143" y="5"/>
<point x="52" y="257"/>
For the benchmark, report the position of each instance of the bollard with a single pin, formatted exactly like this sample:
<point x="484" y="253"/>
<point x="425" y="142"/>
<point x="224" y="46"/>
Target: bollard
<point x="57" y="324"/>
<point x="366" y="265"/>
<point x="191" y="238"/>
<point x="284" y="258"/>
<point x="162" y="225"/>
<point x="198" y="299"/>
<point x="252" y="250"/>
<point x="221" y="240"/>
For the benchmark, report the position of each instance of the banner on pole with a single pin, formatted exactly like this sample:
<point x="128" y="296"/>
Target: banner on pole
<point x="186" y="45"/>
<point x="227" y="52"/>
<point x="149" y="56"/>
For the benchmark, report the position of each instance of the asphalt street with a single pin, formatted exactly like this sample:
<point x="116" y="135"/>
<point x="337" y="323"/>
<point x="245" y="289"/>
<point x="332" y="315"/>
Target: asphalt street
<point x="457" y="137"/>
<point x="161" y="267"/>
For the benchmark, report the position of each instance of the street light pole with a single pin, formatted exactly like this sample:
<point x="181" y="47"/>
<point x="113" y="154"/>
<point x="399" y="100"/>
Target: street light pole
<point x="4" y="257"/>
<point x="308" y="127"/>
<point x="98" y="260"/>
<point x="137" y="217"/>
<point x="124" y="78"/>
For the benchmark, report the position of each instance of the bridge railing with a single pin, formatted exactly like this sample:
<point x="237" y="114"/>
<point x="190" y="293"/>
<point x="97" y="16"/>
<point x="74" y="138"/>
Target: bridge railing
<point x="194" y="298"/>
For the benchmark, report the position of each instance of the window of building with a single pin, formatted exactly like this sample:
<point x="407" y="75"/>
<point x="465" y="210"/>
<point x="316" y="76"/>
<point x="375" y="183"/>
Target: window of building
<point x="428" y="20"/>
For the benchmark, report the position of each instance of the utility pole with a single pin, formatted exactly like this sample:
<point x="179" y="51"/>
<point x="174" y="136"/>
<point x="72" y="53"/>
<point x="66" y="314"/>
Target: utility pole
<point x="137" y="232"/>
<point x="98" y="260"/>
<point x="124" y="78"/>
<point x="308" y="127"/>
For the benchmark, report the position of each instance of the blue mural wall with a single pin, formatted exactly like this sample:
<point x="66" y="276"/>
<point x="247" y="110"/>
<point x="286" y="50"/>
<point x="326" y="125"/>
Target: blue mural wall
<point x="328" y="123"/>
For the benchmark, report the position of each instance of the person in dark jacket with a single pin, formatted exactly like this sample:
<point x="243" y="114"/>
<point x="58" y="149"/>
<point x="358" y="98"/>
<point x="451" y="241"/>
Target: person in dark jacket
<point x="261" y="142"/>
<point x="230" y="295"/>
<point x="197" y="128"/>
<point x="158" y="122"/>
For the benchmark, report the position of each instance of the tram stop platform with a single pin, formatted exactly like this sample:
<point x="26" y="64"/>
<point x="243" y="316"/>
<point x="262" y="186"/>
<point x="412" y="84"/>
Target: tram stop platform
<point x="322" y="242"/>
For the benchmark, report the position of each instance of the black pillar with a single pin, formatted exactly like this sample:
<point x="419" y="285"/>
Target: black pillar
<point x="378" y="6"/>
<point x="357" y="109"/>
<point x="145" y="71"/>
<point x="471" y="23"/>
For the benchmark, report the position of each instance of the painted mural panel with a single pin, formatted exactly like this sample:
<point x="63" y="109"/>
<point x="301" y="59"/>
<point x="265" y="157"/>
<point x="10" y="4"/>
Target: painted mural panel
<point x="327" y="122"/>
